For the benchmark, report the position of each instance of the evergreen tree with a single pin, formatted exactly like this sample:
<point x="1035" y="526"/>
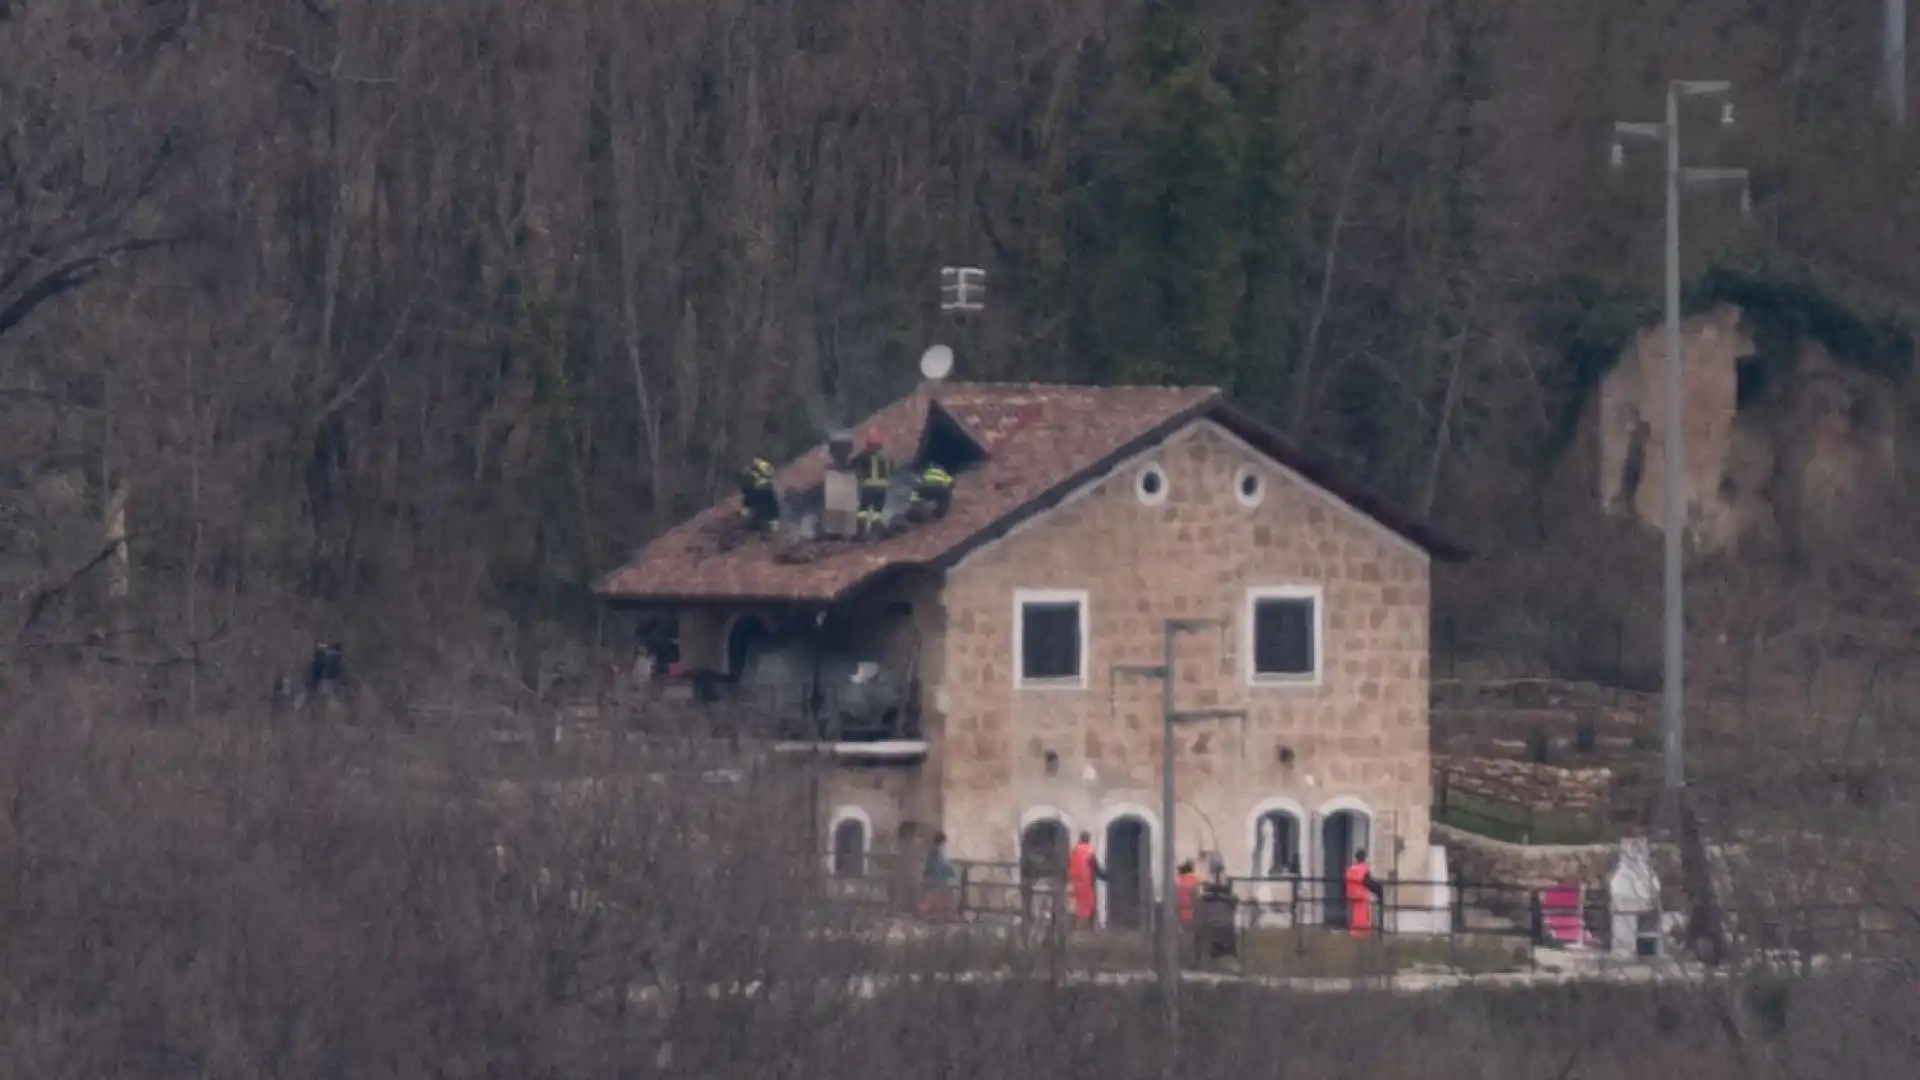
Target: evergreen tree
<point x="1270" y="254"/>
<point x="1169" y="294"/>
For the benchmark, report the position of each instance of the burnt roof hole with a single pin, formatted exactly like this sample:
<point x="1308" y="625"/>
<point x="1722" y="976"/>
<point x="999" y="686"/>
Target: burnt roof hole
<point x="1750" y="382"/>
<point x="946" y="444"/>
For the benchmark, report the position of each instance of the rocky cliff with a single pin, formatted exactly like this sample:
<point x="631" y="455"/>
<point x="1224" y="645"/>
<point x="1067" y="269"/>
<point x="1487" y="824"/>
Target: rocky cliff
<point x="1789" y="446"/>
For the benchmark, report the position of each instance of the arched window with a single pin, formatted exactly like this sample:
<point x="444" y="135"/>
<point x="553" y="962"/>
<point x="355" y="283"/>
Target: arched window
<point x="1043" y="850"/>
<point x="850" y="847"/>
<point x="1276" y="847"/>
<point x="745" y="635"/>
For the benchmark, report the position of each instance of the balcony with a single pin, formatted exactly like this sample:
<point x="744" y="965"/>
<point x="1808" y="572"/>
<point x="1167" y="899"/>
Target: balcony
<point x="852" y="711"/>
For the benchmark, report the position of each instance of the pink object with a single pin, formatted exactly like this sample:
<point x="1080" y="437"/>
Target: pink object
<point x="1560" y="916"/>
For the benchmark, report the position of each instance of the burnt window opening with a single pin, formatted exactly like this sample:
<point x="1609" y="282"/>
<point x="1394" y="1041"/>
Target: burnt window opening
<point x="659" y="636"/>
<point x="944" y="442"/>
<point x="746" y="635"/>
<point x="1285" y="633"/>
<point x="1051" y="646"/>
<point x="1749" y="382"/>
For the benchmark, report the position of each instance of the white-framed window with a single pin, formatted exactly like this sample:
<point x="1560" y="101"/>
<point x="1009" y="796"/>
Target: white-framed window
<point x="1249" y="487"/>
<point x="1050" y="639"/>
<point x="1150" y="484"/>
<point x="1284" y="641"/>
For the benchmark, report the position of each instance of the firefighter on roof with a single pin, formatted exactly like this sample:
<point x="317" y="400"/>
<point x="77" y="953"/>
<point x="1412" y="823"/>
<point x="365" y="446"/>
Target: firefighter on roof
<point x="932" y="493"/>
<point x="874" y="472"/>
<point x="758" y="503"/>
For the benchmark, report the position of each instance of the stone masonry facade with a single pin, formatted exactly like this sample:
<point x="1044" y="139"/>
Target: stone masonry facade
<point x="1355" y="740"/>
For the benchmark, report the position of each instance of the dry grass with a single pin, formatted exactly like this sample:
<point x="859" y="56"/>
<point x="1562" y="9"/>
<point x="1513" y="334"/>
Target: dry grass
<point x="1313" y="952"/>
<point x="232" y="901"/>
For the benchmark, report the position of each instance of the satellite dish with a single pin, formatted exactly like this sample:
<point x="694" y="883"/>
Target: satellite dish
<point x="937" y="362"/>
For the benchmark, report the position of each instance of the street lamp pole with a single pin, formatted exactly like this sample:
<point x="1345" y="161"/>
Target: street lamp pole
<point x="1672" y="697"/>
<point x="1168" y="929"/>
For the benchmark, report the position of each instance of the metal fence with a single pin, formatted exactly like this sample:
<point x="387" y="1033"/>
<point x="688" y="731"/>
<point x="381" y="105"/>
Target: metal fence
<point x="980" y="890"/>
<point x="1459" y="924"/>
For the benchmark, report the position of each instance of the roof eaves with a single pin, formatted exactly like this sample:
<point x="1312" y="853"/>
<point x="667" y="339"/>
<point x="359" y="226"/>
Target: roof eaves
<point x="632" y="600"/>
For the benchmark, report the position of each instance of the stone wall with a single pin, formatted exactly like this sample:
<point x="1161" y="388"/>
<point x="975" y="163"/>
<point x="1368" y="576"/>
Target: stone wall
<point x="886" y="796"/>
<point x="1562" y="695"/>
<point x="1477" y="860"/>
<point x="1358" y="739"/>
<point x="1524" y="783"/>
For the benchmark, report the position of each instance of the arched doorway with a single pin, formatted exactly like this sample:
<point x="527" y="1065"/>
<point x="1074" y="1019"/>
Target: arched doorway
<point x="745" y="634"/>
<point x="1276" y="844"/>
<point x="1043" y="850"/>
<point x="1129" y="865"/>
<point x="1343" y="833"/>
<point x="850" y="843"/>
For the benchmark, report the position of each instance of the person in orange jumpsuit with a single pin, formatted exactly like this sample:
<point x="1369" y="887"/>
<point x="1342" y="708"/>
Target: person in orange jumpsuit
<point x="1362" y="890"/>
<point x="1184" y="887"/>
<point x="1083" y="869"/>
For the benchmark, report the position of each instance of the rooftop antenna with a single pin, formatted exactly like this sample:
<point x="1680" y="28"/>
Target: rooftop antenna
<point x="963" y="294"/>
<point x="963" y="290"/>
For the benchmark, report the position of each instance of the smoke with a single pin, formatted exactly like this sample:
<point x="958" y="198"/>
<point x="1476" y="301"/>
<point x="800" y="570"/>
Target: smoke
<point x="899" y="497"/>
<point x="800" y="514"/>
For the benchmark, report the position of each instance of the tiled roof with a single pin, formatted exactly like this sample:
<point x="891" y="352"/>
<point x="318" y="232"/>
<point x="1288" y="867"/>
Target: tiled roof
<point x="1042" y="442"/>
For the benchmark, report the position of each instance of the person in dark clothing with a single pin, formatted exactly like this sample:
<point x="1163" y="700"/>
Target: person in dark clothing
<point x="937" y="880"/>
<point x="326" y="672"/>
<point x="759" y="503"/>
<point x="875" y="474"/>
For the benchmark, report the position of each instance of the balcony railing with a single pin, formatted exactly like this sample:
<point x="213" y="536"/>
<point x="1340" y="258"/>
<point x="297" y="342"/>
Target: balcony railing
<point x="837" y="714"/>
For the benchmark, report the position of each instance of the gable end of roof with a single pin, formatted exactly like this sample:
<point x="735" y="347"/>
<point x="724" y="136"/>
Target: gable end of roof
<point x="1256" y="434"/>
<point x="1061" y="490"/>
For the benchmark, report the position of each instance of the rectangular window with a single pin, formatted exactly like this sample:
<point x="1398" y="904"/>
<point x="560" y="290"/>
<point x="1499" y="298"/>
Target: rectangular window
<point x="1283" y="628"/>
<point x="1050" y="639"/>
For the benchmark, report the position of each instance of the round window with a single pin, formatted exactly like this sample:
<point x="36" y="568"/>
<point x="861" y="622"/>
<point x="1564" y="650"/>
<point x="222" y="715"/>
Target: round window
<point x="1249" y="487"/>
<point x="1151" y="485"/>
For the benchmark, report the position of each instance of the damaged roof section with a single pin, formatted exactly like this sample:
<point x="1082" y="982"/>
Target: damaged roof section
<point x="1020" y="448"/>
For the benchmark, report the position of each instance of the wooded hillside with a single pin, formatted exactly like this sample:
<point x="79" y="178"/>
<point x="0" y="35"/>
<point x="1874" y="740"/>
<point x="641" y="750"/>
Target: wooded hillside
<point x="402" y="321"/>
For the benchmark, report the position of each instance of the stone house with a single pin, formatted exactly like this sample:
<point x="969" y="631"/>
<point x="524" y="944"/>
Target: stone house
<point x="1083" y="518"/>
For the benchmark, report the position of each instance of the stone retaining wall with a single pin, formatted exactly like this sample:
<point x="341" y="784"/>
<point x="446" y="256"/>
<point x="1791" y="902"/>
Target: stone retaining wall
<point x="1477" y="860"/>
<point x="1537" y="694"/>
<point x="1523" y="783"/>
